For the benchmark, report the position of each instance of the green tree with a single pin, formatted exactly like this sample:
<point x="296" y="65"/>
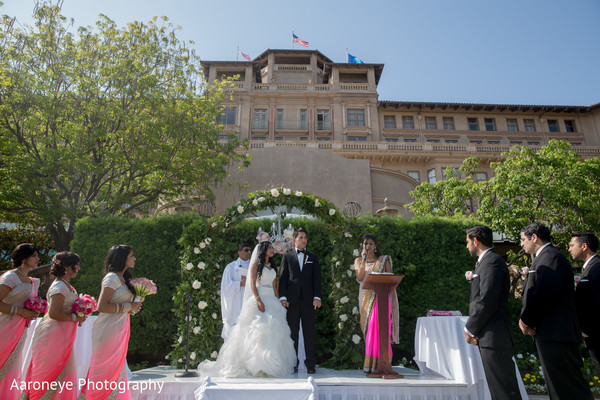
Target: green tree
<point x="103" y="121"/>
<point x="553" y="185"/>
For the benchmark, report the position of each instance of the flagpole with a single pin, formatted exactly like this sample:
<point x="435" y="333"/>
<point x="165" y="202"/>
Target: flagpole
<point x="292" y="40"/>
<point x="347" y="58"/>
<point x="237" y="54"/>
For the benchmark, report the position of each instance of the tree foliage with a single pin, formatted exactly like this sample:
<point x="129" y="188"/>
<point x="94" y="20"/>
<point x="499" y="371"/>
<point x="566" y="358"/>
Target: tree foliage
<point x="103" y="121"/>
<point x="553" y="185"/>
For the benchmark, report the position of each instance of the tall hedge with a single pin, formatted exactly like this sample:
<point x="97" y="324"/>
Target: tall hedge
<point x="155" y="246"/>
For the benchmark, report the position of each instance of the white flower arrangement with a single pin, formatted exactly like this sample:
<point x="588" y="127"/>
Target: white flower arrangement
<point x="240" y="209"/>
<point x="331" y="211"/>
<point x="298" y="193"/>
<point x="287" y="191"/>
<point x="343" y="317"/>
<point x="196" y="250"/>
<point x="196" y="285"/>
<point x="317" y="203"/>
<point x="201" y="265"/>
<point x="196" y="330"/>
<point x="202" y="305"/>
<point x="344" y="300"/>
<point x="254" y="202"/>
<point x="356" y="339"/>
<point x="189" y="266"/>
<point x="274" y="192"/>
<point x="214" y="354"/>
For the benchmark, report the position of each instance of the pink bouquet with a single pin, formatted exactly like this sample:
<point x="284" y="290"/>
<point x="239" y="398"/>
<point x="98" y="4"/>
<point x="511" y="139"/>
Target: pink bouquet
<point x="36" y="304"/>
<point x="143" y="287"/>
<point x="84" y="305"/>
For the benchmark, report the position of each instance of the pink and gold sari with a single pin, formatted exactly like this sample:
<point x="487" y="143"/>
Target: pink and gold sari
<point x="368" y="317"/>
<point x="12" y="338"/>
<point x="107" y="377"/>
<point x="52" y="357"/>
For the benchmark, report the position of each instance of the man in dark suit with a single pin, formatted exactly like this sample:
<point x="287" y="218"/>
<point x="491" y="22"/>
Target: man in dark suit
<point x="583" y="247"/>
<point x="300" y="293"/>
<point x="489" y="323"/>
<point x="548" y="314"/>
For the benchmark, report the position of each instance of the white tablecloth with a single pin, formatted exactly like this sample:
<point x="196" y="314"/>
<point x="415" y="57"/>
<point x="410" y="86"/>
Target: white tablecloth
<point x="303" y="390"/>
<point x="441" y="349"/>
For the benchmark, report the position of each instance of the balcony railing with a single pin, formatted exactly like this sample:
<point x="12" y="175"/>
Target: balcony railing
<point x="354" y="87"/>
<point x="259" y="125"/>
<point x="291" y="125"/>
<point x="323" y="125"/>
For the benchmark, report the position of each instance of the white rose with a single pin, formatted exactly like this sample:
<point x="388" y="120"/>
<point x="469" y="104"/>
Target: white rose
<point x="287" y="192"/>
<point x="348" y="234"/>
<point x="196" y="250"/>
<point x="214" y="354"/>
<point x="261" y="199"/>
<point x="196" y="285"/>
<point x="338" y="285"/>
<point x="214" y="315"/>
<point x="317" y="203"/>
<point x="180" y="339"/>
<point x="196" y="330"/>
<point x="343" y="317"/>
<point x="180" y="360"/>
<point x="214" y="225"/>
<point x="202" y="245"/>
<point x="274" y="192"/>
<point x="298" y="193"/>
<point x="240" y="209"/>
<point x="207" y="241"/>
<point x="340" y="325"/>
<point x="344" y="300"/>
<point x="254" y="202"/>
<point x="167" y="357"/>
<point x="355" y="310"/>
<point x="202" y="305"/>
<point x="193" y="355"/>
<point x="189" y="266"/>
<point x="349" y="272"/>
<point x="201" y="265"/>
<point x="356" y="339"/>
<point x="355" y="253"/>
<point x="519" y="356"/>
<point x="331" y="211"/>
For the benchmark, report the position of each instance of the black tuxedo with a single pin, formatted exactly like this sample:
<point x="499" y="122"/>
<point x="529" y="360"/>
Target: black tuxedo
<point x="300" y="287"/>
<point x="549" y="307"/>
<point x="587" y="301"/>
<point x="489" y="321"/>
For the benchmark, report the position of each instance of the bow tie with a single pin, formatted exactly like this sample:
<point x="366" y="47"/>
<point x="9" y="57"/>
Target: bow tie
<point x="301" y="251"/>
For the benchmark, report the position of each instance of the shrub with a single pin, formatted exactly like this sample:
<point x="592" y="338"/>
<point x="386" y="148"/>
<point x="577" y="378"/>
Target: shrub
<point x="10" y="238"/>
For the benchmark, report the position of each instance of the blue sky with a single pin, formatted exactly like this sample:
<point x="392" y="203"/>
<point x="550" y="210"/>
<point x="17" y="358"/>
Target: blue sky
<point x="473" y="51"/>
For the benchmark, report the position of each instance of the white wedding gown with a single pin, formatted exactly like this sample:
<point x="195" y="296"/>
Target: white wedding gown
<point x="259" y="343"/>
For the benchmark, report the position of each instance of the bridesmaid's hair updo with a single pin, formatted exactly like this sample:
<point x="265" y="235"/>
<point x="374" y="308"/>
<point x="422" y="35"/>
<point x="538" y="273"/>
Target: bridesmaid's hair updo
<point x="115" y="261"/>
<point x="262" y="257"/>
<point x="61" y="261"/>
<point x="374" y="239"/>
<point x="21" y="252"/>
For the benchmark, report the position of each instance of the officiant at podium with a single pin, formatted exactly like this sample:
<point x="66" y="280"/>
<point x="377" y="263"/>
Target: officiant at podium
<point x="371" y="261"/>
<point x="233" y="284"/>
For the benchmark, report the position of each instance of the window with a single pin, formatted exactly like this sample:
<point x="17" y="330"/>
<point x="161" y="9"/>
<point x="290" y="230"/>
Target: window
<point x="516" y="142"/>
<point x="414" y="175"/>
<point x="476" y="141"/>
<point x="448" y="123"/>
<point x="323" y="121"/>
<point x="260" y="119"/>
<point x="303" y="138"/>
<point x="228" y="116"/>
<point x="391" y="139"/>
<point x="410" y="140"/>
<point x="356" y="117"/>
<point x="279" y="120"/>
<point x="451" y="140"/>
<point x="481" y="176"/>
<point x="430" y="123"/>
<point x="303" y="119"/>
<point x="493" y="142"/>
<point x="389" y="121"/>
<point x="433" y="140"/>
<point x="431" y="176"/>
<point x="408" y="122"/>
<point x="455" y="172"/>
<point x="553" y="125"/>
<point x="570" y="125"/>
<point x="512" y="124"/>
<point x="323" y="138"/>
<point x="533" y="143"/>
<point x="529" y="125"/>
<point x="357" y="138"/>
<point x="473" y="124"/>
<point x="490" y="124"/>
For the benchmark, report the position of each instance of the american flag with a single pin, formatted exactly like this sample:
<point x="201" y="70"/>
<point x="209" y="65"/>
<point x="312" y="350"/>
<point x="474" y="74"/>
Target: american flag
<point x="301" y="42"/>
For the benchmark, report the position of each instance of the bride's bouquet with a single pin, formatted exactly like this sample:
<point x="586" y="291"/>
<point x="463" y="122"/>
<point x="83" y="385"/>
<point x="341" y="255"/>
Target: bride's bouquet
<point x="36" y="304"/>
<point x="143" y="287"/>
<point x="84" y="305"/>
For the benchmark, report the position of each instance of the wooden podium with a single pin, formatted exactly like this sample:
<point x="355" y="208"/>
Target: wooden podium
<point x="383" y="284"/>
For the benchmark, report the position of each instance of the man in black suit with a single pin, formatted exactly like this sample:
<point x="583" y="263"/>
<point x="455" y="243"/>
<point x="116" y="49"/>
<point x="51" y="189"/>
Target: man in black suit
<point x="300" y="293"/>
<point x="548" y="314"/>
<point x="489" y="323"/>
<point x="583" y="247"/>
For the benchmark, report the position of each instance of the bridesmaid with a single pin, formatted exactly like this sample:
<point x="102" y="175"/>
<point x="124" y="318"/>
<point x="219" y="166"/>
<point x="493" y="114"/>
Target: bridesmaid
<point x="52" y="357"/>
<point x="110" y="335"/>
<point x="15" y="288"/>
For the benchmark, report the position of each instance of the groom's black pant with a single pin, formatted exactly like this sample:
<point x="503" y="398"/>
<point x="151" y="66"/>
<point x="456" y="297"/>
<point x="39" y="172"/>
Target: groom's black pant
<point x="305" y="313"/>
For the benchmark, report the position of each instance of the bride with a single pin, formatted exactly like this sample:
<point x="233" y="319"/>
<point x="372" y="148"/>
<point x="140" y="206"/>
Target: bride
<point x="260" y="342"/>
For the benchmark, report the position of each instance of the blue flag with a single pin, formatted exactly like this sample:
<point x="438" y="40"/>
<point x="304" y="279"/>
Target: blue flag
<point x="354" y="60"/>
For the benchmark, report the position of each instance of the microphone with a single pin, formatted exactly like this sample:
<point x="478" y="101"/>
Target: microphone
<point x="364" y="257"/>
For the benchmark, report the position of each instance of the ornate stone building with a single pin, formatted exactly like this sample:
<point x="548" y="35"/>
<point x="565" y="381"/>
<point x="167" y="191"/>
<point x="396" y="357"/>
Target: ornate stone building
<point x="318" y="126"/>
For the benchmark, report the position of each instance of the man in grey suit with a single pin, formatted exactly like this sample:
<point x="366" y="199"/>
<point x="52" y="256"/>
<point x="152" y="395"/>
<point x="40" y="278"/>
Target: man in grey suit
<point x="548" y="314"/>
<point x="489" y="324"/>
<point x="583" y="247"/>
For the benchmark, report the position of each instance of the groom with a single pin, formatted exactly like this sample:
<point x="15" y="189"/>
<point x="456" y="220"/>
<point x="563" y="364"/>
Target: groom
<point x="300" y="293"/>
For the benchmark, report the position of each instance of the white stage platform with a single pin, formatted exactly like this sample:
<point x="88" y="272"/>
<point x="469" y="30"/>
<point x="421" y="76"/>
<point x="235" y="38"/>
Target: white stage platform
<point x="326" y="384"/>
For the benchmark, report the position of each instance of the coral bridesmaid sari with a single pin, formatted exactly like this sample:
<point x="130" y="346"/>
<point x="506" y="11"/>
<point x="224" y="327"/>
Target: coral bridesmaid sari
<point x="52" y="357"/>
<point x="12" y="338"/>
<point x="107" y="377"/>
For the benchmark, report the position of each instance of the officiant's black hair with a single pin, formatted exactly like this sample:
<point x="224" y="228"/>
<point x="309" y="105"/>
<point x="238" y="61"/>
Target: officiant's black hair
<point x="374" y="239"/>
<point x="115" y="262"/>
<point x="262" y="255"/>
<point x="482" y="233"/>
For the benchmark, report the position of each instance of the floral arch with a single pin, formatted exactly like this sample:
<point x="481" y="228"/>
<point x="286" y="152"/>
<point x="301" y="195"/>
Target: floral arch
<point x="202" y="265"/>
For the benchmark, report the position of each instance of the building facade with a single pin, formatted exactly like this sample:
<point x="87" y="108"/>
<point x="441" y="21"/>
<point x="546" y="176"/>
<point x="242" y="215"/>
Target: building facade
<point x="318" y="126"/>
